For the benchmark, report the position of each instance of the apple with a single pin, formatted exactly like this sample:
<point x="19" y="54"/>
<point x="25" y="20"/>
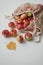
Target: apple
<point x="29" y="14"/>
<point x="19" y="21"/>
<point x="20" y="39"/>
<point x="19" y="26"/>
<point x="26" y="23"/>
<point x="17" y="17"/>
<point x="5" y="33"/>
<point x="28" y="36"/>
<point x="23" y="16"/>
<point x="13" y="33"/>
<point x="11" y="24"/>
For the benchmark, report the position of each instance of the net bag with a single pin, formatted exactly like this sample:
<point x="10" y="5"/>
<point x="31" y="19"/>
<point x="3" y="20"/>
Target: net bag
<point x="35" y="9"/>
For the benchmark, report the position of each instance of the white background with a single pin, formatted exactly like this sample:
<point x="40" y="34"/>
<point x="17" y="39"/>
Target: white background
<point x="30" y="53"/>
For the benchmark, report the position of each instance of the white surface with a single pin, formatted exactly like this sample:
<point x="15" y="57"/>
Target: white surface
<point x="30" y="53"/>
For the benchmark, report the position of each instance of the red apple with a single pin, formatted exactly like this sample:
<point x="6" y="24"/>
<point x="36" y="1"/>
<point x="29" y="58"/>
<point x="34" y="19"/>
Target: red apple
<point x="5" y="33"/>
<point x="24" y="25"/>
<point x="23" y="16"/>
<point x="20" y="38"/>
<point x="11" y="24"/>
<point x="30" y="18"/>
<point x="19" y="26"/>
<point x="16" y="17"/>
<point x="13" y="33"/>
<point x="26" y="21"/>
<point x="19" y="21"/>
<point x="28" y="36"/>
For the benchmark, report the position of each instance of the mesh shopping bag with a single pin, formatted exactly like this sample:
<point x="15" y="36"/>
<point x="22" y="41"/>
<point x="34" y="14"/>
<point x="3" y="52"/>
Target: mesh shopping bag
<point x="27" y="7"/>
<point x="36" y="26"/>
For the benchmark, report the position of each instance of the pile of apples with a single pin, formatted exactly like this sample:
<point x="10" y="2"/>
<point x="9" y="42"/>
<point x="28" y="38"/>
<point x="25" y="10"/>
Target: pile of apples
<point x="22" y="21"/>
<point x="13" y="32"/>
